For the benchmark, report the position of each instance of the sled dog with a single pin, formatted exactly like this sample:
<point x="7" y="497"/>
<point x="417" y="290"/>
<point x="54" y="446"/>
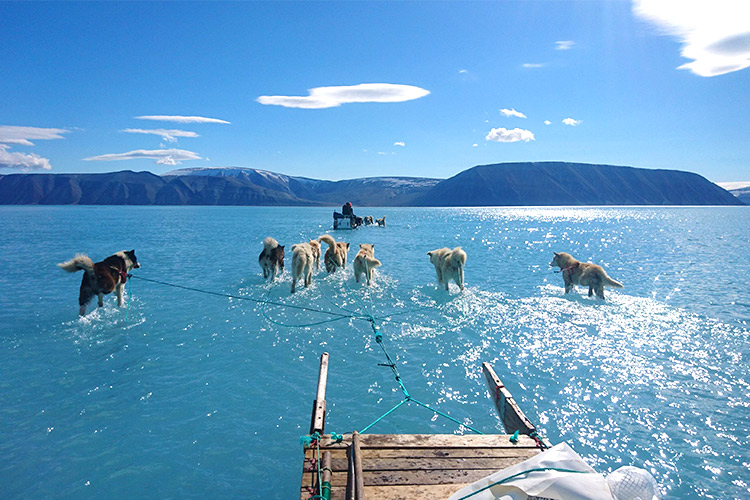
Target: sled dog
<point x="335" y="256"/>
<point x="103" y="277"/>
<point x="365" y="262"/>
<point x="584" y="274"/>
<point x="303" y="260"/>
<point x="449" y="265"/>
<point x="271" y="259"/>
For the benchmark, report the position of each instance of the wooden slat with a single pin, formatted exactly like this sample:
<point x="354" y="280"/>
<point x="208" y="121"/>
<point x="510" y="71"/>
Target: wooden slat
<point x="318" y="420"/>
<point x="417" y="477"/>
<point x="399" y="453"/>
<point x="409" y="492"/>
<point x="413" y="492"/>
<point x="513" y="417"/>
<point x="390" y="464"/>
<point x="431" y="441"/>
<point x="359" y="478"/>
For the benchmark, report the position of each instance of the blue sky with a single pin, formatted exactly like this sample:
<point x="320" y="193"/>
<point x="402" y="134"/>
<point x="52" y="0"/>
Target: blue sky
<point x="350" y="89"/>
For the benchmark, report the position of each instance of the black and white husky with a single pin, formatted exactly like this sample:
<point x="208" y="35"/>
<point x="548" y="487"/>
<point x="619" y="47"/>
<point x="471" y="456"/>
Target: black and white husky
<point x="271" y="259"/>
<point x="103" y="277"/>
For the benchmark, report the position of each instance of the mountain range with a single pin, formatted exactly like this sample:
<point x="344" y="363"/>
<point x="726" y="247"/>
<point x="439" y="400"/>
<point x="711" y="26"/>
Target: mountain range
<point x="504" y="184"/>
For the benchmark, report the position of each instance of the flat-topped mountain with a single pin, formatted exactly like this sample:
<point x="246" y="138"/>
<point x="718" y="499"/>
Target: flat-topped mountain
<point x="504" y="184"/>
<point x="556" y="183"/>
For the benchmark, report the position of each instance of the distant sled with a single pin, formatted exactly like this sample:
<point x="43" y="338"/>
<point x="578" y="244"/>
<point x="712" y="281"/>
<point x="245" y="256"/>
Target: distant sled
<point x="341" y="221"/>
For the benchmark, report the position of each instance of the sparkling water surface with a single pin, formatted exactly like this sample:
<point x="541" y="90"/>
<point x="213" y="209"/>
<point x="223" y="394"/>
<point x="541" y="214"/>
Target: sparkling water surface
<point x="189" y="395"/>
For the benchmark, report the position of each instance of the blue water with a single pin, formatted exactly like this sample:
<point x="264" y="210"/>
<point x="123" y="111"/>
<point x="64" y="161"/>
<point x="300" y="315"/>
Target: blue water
<point x="187" y="395"/>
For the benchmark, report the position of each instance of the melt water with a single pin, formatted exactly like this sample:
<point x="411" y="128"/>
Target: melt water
<point x="188" y="395"/>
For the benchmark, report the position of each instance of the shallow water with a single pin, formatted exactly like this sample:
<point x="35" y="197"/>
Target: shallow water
<point x="188" y="395"/>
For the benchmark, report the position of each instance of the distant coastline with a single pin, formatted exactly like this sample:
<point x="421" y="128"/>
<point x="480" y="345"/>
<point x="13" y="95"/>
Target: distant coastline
<point x="503" y="184"/>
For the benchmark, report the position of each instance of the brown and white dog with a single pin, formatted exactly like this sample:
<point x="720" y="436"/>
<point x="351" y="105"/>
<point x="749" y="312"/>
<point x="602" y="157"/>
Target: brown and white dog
<point x="584" y="274"/>
<point x="336" y="253"/>
<point x="103" y="277"/>
<point x="271" y="259"/>
<point x="303" y="260"/>
<point x="365" y="262"/>
<point x="449" y="265"/>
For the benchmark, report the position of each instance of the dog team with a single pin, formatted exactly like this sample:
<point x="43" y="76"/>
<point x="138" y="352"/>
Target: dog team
<point x="111" y="274"/>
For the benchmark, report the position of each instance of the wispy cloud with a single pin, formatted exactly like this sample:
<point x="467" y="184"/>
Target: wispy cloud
<point x="532" y="65"/>
<point x="463" y="71"/>
<point x="181" y="119"/>
<point x="512" y="112"/>
<point x="399" y="143"/>
<point x="715" y="34"/>
<point x="547" y="122"/>
<point x="564" y="44"/>
<point x="10" y="134"/>
<point x="168" y="135"/>
<point x="514" y="135"/>
<point x="162" y="156"/>
<point x="329" y="97"/>
<point x="572" y="122"/>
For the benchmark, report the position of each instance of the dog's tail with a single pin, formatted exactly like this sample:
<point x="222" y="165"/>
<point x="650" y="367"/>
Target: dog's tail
<point x="270" y="243"/>
<point x="610" y="282"/>
<point x="328" y="239"/>
<point x="458" y="256"/>
<point x="77" y="263"/>
<point x="372" y="262"/>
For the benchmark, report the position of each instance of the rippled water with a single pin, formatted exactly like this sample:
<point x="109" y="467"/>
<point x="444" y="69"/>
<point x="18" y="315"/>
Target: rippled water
<point x="187" y="395"/>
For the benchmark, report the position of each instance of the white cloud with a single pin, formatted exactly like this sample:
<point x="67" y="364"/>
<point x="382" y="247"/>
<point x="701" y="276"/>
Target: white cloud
<point x="533" y="65"/>
<point x="10" y="134"/>
<point x="463" y="71"/>
<point x="181" y="119"/>
<point x="474" y="145"/>
<point x="547" y="122"/>
<point x="162" y="156"/>
<point x="572" y="122"/>
<point x="564" y="44"/>
<point x="715" y="34"/>
<point x="399" y="143"/>
<point x="22" y="135"/>
<point x="512" y="112"/>
<point x="505" y="135"/>
<point x="168" y="135"/>
<point x="22" y="161"/>
<point x="329" y="97"/>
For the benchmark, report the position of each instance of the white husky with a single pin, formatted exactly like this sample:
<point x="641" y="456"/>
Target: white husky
<point x="303" y="260"/>
<point x="449" y="265"/>
<point x="365" y="262"/>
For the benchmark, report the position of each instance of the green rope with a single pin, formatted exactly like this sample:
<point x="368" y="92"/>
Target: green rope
<point x="383" y="416"/>
<point x="541" y="469"/>
<point x="238" y="297"/>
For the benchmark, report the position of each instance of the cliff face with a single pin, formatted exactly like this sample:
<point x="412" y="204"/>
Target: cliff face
<point x="505" y="184"/>
<point x="552" y="183"/>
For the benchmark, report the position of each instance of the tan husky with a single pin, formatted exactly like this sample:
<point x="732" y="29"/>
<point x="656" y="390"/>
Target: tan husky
<point x="365" y="262"/>
<point x="584" y="274"/>
<point x="335" y="256"/>
<point x="449" y="265"/>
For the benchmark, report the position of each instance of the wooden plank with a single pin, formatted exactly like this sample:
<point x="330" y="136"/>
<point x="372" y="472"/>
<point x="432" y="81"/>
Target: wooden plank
<point x="409" y="492"/>
<point x="510" y="413"/>
<point x="417" y="477"/>
<point x="414" y="492"/>
<point x="359" y="478"/>
<point x="318" y="420"/>
<point x="325" y="480"/>
<point x="391" y="464"/>
<point x="397" y="453"/>
<point x="431" y="441"/>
